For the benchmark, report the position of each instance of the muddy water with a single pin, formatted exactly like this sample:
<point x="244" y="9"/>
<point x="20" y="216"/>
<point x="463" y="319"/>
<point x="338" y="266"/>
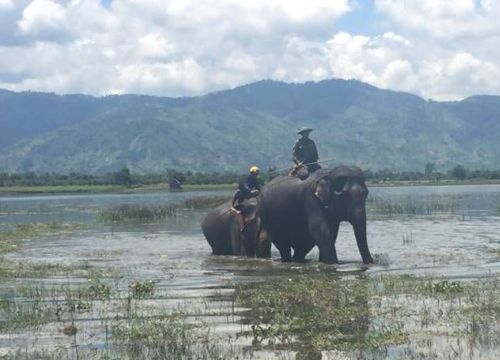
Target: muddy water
<point x="459" y="239"/>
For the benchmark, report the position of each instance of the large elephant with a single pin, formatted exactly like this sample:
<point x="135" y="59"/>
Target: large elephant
<point x="299" y="214"/>
<point x="222" y="231"/>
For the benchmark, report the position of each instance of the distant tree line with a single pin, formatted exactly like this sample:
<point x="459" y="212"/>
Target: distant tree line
<point x="125" y="177"/>
<point x="458" y="172"/>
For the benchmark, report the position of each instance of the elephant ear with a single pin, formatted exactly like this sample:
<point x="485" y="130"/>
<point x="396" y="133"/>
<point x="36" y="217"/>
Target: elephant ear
<point x="323" y="190"/>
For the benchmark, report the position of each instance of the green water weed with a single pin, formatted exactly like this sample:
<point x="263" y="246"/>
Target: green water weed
<point x="142" y="290"/>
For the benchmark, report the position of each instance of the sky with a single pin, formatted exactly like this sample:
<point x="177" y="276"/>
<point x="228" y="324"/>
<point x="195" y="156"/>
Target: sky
<point x="437" y="49"/>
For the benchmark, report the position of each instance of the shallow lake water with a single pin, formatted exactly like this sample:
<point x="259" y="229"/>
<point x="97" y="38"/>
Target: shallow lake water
<point x="451" y="232"/>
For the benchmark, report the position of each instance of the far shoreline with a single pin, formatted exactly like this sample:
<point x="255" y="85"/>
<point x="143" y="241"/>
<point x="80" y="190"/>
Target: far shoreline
<point x="118" y="189"/>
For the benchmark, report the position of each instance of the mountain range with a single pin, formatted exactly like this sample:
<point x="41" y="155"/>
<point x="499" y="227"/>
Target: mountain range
<point x="354" y="123"/>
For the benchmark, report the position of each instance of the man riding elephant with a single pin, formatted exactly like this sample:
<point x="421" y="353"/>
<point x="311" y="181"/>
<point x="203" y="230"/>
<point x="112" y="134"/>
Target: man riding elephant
<point x="248" y="187"/>
<point x="305" y="154"/>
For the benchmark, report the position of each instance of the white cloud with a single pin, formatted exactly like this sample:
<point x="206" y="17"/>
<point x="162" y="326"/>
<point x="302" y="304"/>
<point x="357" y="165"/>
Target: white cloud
<point x="376" y="60"/>
<point x="6" y="5"/>
<point x="453" y="44"/>
<point x="441" y="49"/>
<point x="155" y="46"/>
<point x="43" y="16"/>
<point x="151" y="78"/>
<point x="170" y="47"/>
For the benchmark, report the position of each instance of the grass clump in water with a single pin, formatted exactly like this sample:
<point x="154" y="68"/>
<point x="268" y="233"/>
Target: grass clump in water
<point x="148" y="213"/>
<point x="323" y="313"/>
<point x="314" y="311"/>
<point x="16" y="315"/>
<point x="204" y="202"/>
<point x="142" y="290"/>
<point x="137" y="213"/>
<point x="168" y="337"/>
<point x="411" y="206"/>
<point x="9" y="240"/>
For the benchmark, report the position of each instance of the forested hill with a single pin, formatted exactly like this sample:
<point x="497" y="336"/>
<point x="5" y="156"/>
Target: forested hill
<point x="353" y="122"/>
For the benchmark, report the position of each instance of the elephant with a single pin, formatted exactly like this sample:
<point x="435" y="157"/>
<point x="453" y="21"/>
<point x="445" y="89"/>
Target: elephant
<point x="299" y="214"/>
<point x="222" y="231"/>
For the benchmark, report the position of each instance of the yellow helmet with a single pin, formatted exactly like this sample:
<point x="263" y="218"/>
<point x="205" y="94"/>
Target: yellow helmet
<point x="254" y="169"/>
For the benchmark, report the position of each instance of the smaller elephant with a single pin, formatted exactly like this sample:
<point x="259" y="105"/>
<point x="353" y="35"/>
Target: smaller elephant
<point x="222" y="231"/>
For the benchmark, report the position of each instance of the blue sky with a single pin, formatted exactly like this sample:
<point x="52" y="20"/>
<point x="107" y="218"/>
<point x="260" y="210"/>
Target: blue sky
<point x="443" y="50"/>
<point x="362" y="20"/>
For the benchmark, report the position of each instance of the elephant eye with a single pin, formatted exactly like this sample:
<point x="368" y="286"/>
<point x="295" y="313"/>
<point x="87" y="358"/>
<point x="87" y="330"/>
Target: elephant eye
<point x="339" y="183"/>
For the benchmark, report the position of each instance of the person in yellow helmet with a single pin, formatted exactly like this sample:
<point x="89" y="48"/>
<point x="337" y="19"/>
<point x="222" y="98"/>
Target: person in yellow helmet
<point x="248" y="187"/>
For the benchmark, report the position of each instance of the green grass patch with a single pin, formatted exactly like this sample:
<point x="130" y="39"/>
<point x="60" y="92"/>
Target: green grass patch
<point x="410" y="206"/>
<point x="324" y="312"/>
<point x="149" y="213"/>
<point x="317" y="311"/>
<point x="10" y="239"/>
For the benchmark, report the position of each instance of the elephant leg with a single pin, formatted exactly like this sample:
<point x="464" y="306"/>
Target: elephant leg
<point x="236" y="240"/>
<point x="300" y="252"/>
<point x="322" y="234"/>
<point x="285" y="253"/>
<point x="335" y="232"/>
<point x="299" y="255"/>
<point x="359" y="226"/>
<point x="263" y="244"/>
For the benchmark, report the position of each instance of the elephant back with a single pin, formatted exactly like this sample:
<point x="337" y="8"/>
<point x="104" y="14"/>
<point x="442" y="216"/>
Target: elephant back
<point x="279" y="187"/>
<point x="281" y="197"/>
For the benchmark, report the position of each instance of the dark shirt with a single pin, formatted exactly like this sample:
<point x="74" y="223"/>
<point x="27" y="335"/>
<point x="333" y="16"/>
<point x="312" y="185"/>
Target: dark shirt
<point x="304" y="151"/>
<point x="246" y="185"/>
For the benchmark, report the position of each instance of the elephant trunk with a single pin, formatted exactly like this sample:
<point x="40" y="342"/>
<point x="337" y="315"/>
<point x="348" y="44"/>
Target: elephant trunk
<point x="359" y="226"/>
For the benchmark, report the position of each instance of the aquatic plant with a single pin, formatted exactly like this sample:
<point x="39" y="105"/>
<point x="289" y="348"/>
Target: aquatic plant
<point x="97" y="290"/>
<point x="10" y="239"/>
<point x="326" y="313"/>
<point x="148" y="213"/>
<point x="314" y="311"/>
<point x="142" y="290"/>
<point x="21" y="314"/>
<point x="204" y="202"/>
<point x="168" y="337"/>
<point x="137" y="213"/>
<point x="412" y="206"/>
<point x="447" y="287"/>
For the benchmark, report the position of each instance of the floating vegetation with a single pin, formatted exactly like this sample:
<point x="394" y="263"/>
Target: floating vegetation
<point x="148" y="213"/>
<point x="204" y="202"/>
<point x="139" y="213"/>
<point x="168" y="337"/>
<point x="9" y="240"/>
<point x="97" y="290"/>
<point x="317" y="311"/>
<point x="322" y="313"/>
<point x="15" y="315"/>
<point x="142" y="290"/>
<point x="412" y="206"/>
